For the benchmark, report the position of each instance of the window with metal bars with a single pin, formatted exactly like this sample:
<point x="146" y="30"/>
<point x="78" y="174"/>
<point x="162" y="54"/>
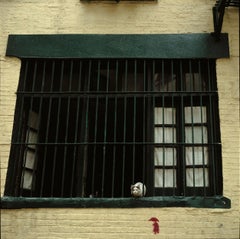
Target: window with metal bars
<point x="91" y="128"/>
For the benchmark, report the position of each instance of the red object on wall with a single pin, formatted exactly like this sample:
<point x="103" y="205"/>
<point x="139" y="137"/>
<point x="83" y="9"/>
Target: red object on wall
<point x="155" y="224"/>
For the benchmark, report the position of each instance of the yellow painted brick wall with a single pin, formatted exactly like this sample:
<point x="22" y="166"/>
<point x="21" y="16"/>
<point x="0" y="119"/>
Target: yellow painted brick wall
<point x="162" y="16"/>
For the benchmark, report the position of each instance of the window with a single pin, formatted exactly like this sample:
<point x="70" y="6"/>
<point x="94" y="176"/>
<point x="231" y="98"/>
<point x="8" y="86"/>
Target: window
<point x="91" y="128"/>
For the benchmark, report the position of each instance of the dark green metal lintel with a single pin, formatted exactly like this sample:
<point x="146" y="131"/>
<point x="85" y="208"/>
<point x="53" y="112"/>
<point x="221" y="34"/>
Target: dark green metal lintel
<point x="164" y="46"/>
<point x="147" y="202"/>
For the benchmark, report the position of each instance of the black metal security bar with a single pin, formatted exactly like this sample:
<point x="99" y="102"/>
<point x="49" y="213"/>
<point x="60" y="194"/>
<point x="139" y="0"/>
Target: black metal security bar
<point x="91" y="128"/>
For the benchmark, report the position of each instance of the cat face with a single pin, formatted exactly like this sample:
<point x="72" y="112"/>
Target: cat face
<point x="138" y="190"/>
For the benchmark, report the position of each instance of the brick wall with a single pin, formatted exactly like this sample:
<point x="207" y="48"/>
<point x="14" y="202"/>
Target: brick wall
<point x="162" y="16"/>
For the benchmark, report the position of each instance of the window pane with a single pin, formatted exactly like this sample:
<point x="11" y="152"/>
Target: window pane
<point x="134" y="82"/>
<point x="165" y="135"/>
<point x="164" y="115"/>
<point x="195" y="114"/>
<point x="165" y="83"/>
<point x="33" y="120"/>
<point x="194" y="82"/>
<point x="196" y="155"/>
<point x="31" y="139"/>
<point x="27" y="179"/>
<point x="164" y="156"/>
<point x="197" y="175"/>
<point x="29" y="159"/>
<point x="196" y="134"/>
<point x="165" y="178"/>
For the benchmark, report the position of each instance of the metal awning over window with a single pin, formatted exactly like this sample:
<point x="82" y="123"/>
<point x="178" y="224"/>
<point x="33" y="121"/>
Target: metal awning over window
<point x="121" y="46"/>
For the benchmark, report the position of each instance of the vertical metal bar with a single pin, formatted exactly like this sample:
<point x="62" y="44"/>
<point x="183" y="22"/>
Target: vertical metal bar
<point x="210" y="126"/>
<point x="40" y="116"/>
<point x="47" y="130"/>
<point x="192" y="128"/>
<point x="66" y="131"/>
<point x="216" y="133"/>
<point x="144" y="122"/>
<point x="105" y="133"/>
<point x="193" y="147"/>
<point x="134" y="121"/>
<point x="21" y="119"/>
<point x="153" y="120"/>
<point x="201" y="80"/>
<point x="212" y="146"/>
<point x="65" y="140"/>
<point x="191" y="76"/>
<point x="202" y="123"/>
<point x="162" y="78"/>
<point x="115" y="128"/>
<point x="96" y="128"/>
<point x="172" y="75"/>
<point x="182" y="171"/>
<point x="173" y="124"/>
<point x="56" y="147"/>
<point x="163" y="127"/>
<point x="85" y="130"/>
<point x="105" y="129"/>
<point x="30" y="108"/>
<point x="209" y="76"/>
<point x="203" y="154"/>
<point x="76" y="126"/>
<point x="124" y="126"/>
<point x="181" y="77"/>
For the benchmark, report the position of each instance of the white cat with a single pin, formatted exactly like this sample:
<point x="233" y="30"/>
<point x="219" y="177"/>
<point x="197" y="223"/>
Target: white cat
<point x="138" y="190"/>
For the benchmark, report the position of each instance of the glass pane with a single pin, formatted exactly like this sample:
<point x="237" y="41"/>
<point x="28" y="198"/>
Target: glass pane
<point x="164" y="115"/>
<point x="33" y="120"/>
<point x="169" y="176"/>
<point x="29" y="159"/>
<point x="27" y="179"/>
<point x="197" y="175"/>
<point x="164" y="156"/>
<point x="195" y="114"/>
<point x="196" y="134"/>
<point x="31" y="138"/>
<point x="134" y="82"/>
<point x="194" y="82"/>
<point x="196" y="155"/>
<point x="165" y="135"/>
<point x="164" y="83"/>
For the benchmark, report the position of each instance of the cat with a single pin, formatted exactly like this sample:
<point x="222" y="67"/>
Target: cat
<point x="138" y="190"/>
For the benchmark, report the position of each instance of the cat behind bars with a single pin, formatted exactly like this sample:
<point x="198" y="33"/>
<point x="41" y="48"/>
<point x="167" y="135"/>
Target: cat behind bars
<point x="138" y="190"/>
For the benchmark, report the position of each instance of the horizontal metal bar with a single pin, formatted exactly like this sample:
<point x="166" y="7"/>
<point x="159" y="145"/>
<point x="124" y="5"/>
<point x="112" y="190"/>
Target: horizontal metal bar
<point x="70" y="93"/>
<point x="116" y="143"/>
<point x="165" y="167"/>
<point x="119" y="95"/>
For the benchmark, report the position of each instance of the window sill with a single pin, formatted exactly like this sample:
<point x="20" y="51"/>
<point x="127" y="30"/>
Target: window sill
<point x="147" y="202"/>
